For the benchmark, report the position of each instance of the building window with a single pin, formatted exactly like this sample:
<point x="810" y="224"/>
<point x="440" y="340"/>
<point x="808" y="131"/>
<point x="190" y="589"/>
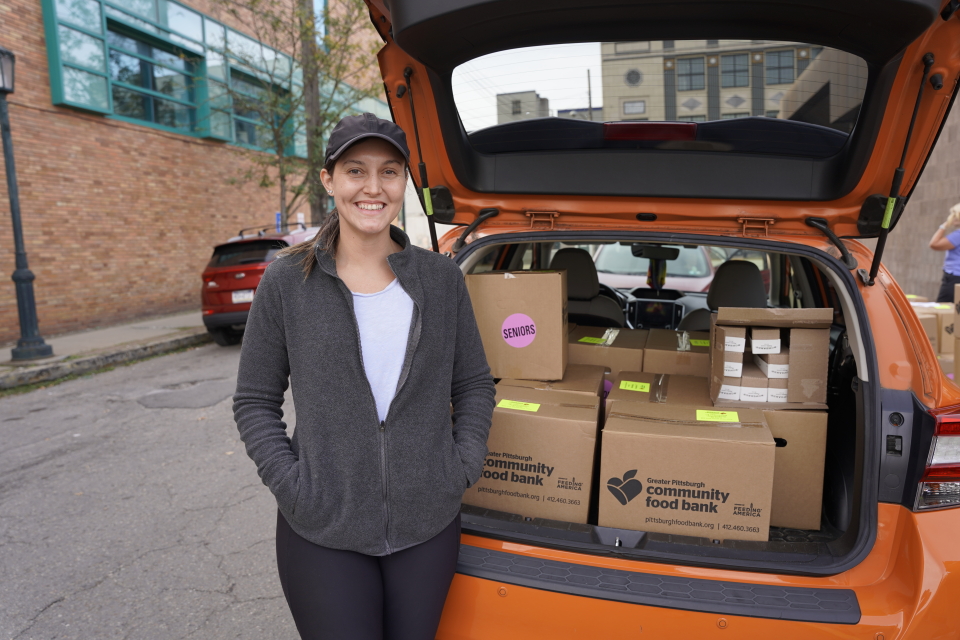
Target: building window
<point x="772" y="114"/>
<point x="692" y="118"/>
<point x="779" y="67"/>
<point x="690" y="74"/>
<point x="152" y="84"/>
<point x="734" y="116"/>
<point x="251" y="106"/>
<point x="634" y="107"/>
<point x="515" y="108"/>
<point x="735" y="70"/>
<point x="162" y="64"/>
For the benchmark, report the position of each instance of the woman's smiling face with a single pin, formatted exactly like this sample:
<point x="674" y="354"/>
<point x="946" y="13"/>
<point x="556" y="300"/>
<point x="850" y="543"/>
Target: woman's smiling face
<point x="368" y="184"/>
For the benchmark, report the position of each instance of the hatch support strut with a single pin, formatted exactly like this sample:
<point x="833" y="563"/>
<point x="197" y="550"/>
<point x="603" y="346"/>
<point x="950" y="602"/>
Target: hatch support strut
<point x="898" y="177"/>
<point x="425" y="199"/>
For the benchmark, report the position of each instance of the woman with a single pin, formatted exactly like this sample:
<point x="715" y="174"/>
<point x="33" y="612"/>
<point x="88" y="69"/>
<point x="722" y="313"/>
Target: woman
<point x="378" y="339"/>
<point x="947" y="238"/>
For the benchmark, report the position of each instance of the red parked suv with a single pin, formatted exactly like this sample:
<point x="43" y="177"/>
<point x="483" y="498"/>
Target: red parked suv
<point x="233" y="273"/>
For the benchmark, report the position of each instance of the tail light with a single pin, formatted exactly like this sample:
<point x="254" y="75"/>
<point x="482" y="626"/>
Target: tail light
<point x="940" y="485"/>
<point x="649" y="131"/>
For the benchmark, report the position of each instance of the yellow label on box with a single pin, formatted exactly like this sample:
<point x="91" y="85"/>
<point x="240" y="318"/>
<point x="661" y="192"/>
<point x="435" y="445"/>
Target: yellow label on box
<point x="700" y="343"/>
<point x="706" y="415"/>
<point x="590" y="340"/>
<point x="629" y="385"/>
<point x="519" y="406"/>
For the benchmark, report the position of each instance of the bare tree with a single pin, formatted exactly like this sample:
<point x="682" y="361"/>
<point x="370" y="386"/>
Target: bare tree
<point x="288" y="84"/>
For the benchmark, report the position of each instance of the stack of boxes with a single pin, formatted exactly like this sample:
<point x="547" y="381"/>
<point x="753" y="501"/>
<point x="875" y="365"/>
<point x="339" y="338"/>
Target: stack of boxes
<point x="771" y="356"/>
<point x="938" y="320"/>
<point x="713" y="434"/>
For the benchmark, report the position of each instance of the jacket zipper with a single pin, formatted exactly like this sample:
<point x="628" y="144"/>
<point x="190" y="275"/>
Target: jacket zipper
<point x="383" y="480"/>
<point x="380" y="426"/>
<point x="404" y="374"/>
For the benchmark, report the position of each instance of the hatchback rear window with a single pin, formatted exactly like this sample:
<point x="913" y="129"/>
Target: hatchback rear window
<point x="753" y="96"/>
<point x="237" y="253"/>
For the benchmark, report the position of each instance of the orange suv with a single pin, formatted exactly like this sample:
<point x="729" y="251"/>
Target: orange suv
<point x="791" y="132"/>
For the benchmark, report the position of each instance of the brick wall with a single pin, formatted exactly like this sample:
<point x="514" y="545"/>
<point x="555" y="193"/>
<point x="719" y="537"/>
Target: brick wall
<point x="915" y="266"/>
<point x="119" y="219"/>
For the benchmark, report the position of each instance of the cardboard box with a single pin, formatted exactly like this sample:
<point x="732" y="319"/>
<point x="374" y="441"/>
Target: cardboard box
<point x="801" y="446"/>
<point x="693" y="471"/>
<point x="945" y="318"/>
<point x="522" y="318"/>
<point x="774" y="365"/>
<point x="636" y="386"/>
<point x="729" y="344"/>
<point x="578" y="378"/>
<point x="729" y="390"/>
<point x="946" y="331"/>
<point x="682" y="353"/>
<point x="807" y="333"/>
<point x="915" y="298"/>
<point x="541" y="455"/>
<point x="764" y="340"/>
<point x="753" y="384"/>
<point x="931" y="327"/>
<point x="616" y="349"/>
<point x="777" y="389"/>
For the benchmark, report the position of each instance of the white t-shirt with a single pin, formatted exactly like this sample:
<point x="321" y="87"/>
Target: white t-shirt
<point x="384" y="319"/>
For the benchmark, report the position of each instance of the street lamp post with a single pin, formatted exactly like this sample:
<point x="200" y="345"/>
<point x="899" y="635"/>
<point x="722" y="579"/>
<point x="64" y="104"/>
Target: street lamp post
<point x="30" y="345"/>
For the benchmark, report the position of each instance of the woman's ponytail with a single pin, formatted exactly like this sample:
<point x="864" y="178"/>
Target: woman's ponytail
<point x="325" y="240"/>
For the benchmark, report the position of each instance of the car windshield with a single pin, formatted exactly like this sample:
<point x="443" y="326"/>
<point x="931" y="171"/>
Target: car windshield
<point x="755" y="96"/>
<point x="619" y="259"/>
<point x="238" y="253"/>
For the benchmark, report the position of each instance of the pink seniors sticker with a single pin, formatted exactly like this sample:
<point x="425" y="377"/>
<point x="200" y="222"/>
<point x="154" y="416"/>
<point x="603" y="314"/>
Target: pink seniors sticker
<point x="519" y="330"/>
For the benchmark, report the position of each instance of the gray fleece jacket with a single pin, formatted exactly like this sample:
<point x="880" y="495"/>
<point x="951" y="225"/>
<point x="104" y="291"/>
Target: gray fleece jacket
<point x="345" y="480"/>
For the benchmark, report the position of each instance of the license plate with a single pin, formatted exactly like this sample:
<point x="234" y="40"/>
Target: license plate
<point x="246" y="295"/>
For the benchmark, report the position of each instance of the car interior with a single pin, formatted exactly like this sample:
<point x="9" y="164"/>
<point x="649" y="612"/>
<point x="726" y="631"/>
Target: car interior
<point x="743" y="277"/>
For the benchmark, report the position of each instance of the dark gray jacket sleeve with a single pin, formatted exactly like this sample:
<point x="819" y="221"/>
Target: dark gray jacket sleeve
<point x="261" y="382"/>
<point x="472" y="390"/>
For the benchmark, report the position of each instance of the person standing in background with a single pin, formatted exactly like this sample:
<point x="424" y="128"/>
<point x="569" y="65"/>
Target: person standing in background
<point x="947" y="238"/>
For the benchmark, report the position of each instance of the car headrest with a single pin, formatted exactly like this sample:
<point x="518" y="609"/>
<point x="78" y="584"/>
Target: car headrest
<point x="582" y="282"/>
<point x="737" y="283"/>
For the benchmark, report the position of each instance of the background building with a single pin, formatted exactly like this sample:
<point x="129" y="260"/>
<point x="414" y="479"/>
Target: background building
<point x="126" y="153"/>
<point x="521" y="105"/>
<point x="702" y="80"/>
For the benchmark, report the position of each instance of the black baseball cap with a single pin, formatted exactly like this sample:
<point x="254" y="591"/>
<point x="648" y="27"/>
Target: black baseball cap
<point x="353" y="129"/>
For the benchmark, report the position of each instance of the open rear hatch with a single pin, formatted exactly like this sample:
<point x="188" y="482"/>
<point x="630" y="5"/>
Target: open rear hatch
<point x="786" y="161"/>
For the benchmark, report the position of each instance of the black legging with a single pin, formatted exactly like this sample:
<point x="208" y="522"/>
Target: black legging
<point x="346" y="595"/>
<point x="946" y="287"/>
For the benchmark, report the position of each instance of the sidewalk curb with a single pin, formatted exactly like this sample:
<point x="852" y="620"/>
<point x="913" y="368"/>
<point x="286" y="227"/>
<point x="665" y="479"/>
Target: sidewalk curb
<point x="57" y="370"/>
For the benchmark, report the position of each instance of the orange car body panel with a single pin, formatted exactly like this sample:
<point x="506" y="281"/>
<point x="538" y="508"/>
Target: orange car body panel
<point x="908" y="586"/>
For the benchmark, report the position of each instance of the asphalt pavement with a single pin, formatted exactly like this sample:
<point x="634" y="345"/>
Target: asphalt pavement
<point x="128" y="509"/>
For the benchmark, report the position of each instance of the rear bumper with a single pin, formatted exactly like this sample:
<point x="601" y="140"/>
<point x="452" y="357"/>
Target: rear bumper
<point x="906" y="588"/>
<point x="227" y="319"/>
<point x="807" y="604"/>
